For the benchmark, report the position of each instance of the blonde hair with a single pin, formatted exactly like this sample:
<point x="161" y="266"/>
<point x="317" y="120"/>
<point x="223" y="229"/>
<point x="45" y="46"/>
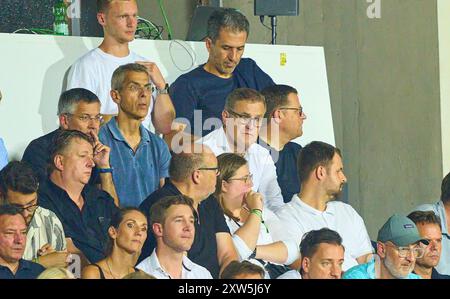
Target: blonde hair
<point x="56" y="273"/>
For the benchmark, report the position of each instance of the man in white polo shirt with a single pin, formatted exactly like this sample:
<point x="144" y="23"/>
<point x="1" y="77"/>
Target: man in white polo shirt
<point x="321" y="172"/>
<point x="242" y="118"/>
<point x="172" y="220"/>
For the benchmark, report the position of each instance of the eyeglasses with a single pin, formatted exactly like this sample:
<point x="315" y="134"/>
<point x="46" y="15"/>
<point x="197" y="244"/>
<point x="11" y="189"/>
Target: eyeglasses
<point x="403" y="252"/>
<point x="245" y="120"/>
<point x="136" y="88"/>
<point x="299" y="110"/>
<point x="216" y="169"/>
<point x="86" y="117"/>
<point x="30" y="209"/>
<point x="245" y="179"/>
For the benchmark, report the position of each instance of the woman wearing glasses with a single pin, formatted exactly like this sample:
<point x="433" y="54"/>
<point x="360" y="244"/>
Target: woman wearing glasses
<point x="243" y="209"/>
<point x="127" y="233"/>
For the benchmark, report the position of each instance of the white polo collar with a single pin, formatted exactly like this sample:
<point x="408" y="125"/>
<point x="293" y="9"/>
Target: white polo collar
<point x="296" y="200"/>
<point x="154" y="264"/>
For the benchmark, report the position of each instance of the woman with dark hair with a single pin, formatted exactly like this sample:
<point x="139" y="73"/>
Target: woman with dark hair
<point x="127" y="233"/>
<point x="244" y="215"/>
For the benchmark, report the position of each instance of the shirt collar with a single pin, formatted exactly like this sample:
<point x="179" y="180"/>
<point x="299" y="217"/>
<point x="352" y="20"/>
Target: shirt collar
<point x="304" y="206"/>
<point x="114" y="129"/>
<point x="154" y="264"/>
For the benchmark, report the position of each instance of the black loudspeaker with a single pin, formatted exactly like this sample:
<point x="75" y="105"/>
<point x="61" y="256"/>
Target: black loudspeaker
<point x="276" y="7"/>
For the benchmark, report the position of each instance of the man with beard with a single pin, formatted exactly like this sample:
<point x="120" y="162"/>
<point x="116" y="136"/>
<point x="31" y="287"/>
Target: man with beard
<point x="322" y="178"/>
<point x="172" y="220"/>
<point x="429" y="227"/>
<point x="398" y="247"/>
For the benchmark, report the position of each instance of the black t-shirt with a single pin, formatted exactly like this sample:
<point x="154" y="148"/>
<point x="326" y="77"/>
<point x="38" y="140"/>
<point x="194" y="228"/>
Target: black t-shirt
<point x="37" y="155"/>
<point x="88" y="228"/>
<point x="286" y="165"/>
<point x="209" y="221"/>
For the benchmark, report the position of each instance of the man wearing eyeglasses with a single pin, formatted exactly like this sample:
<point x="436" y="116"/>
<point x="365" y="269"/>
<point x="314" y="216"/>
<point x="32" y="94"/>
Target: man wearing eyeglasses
<point x="285" y="117"/>
<point x="429" y="227"/>
<point x="398" y="248"/>
<point x="78" y="109"/>
<point x="242" y="118"/>
<point x="45" y="240"/>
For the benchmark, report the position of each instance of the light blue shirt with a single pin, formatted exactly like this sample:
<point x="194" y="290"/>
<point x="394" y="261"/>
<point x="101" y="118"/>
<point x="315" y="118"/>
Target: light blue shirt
<point x="367" y="271"/>
<point x="136" y="174"/>
<point x="3" y="155"/>
<point x="438" y="208"/>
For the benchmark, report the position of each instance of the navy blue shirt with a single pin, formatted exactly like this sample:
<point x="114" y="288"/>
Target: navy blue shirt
<point x="209" y="221"/>
<point x="200" y="90"/>
<point x="136" y="174"/>
<point x="37" y="155"/>
<point x="87" y="228"/>
<point x="286" y="165"/>
<point x="26" y="270"/>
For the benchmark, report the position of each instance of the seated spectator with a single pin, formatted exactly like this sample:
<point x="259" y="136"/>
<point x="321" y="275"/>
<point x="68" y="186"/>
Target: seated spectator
<point x="429" y="227"/>
<point x="285" y="119"/>
<point x="3" y="154"/>
<point x="56" y="273"/>
<point x="13" y="230"/>
<point x="242" y="270"/>
<point x="140" y="158"/>
<point x="172" y="220"/>
<point x="442" y="209"/>
<point x="322" y="256"/>
<point x="46" y="243"/>
<point x="193" y="173"/>
<point x="127" y="234"/>
<point x="398" y="247"/>
<point x="242" y="117"/>
<point x="78" y="109"/>
<point x="321" y="172"/>
<point x="245" y="214"/>
<point x="84" y="210"/>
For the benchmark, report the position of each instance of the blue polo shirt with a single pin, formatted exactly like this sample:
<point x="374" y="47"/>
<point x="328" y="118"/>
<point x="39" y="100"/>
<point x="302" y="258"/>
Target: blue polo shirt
<point x="286" y="165"/>
<point x="26" y="270"/>
<point x="3" y="155"/>
<point x="136" y="174"/>
<point x="367" y="271"/>
<point x="202" y="91"/>
<point x="210" y="221"/>
<point x="87" y="228"/>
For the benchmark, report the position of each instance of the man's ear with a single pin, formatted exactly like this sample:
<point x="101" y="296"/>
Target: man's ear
<point x="320" y="172"/>
<point x="115" y="95"/>
<point x="157" y="229"/>
<point x="195" y="177"/>
<point x="276" y="117"/>
<point x="101" y="18"/>
<point x="64" y="121"/>
<point x="381" y="249"/>
<point x="209" y="43"/>
<point x="305" y="264"/>
<point x="58" y="161"/>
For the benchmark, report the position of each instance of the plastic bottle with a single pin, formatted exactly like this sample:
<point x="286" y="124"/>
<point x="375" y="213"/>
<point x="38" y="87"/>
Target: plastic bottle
<point x="60" y="25"/>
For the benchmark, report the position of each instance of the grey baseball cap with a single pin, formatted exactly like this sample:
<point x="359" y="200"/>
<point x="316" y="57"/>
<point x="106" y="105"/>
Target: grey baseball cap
<point x="400" y="230"/>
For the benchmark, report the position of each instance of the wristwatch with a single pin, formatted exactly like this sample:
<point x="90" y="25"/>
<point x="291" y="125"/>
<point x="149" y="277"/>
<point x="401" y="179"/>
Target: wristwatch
<point x="105" y="170"/>
<point x="165" y="90"/>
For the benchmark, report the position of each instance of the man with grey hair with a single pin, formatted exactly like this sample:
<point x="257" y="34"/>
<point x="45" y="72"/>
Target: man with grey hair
<point x="140" y="158"/>
<point x="206" y="87"/>
<point x="193" y="173"/>
<point x="78" y="109"/>
<point x="93" y="70"/>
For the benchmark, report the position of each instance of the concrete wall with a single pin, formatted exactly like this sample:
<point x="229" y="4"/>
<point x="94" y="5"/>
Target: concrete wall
<point x="384" y="86"/>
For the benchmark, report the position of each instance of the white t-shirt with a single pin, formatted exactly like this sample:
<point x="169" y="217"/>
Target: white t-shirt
<point x="94" y="70"/>
<point x="297" y="218"/>
<point x="293" y="274"/>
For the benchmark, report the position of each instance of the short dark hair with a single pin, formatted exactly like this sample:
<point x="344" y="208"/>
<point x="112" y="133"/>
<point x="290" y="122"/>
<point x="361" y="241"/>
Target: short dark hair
<point x="314" y="154"/>
<point x="102" y="5"/>
<point x="159" y="209"/>
<point x="9" y="210"/>
<point x="236" y="268"/>
<point x="183" y="164"/>
<point x="18" y="176"/>
<point x="228" y="19"/>
<point x="425" y="217"/>
<point x="72" y="97"/>
<point x="311" y="241"/>
<point x="276" y="96"/>
<point x="62" y="140"/>
<point x="445" y="188"/>
<point x="243" y="94"/>
<point x="120" y="73"/>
